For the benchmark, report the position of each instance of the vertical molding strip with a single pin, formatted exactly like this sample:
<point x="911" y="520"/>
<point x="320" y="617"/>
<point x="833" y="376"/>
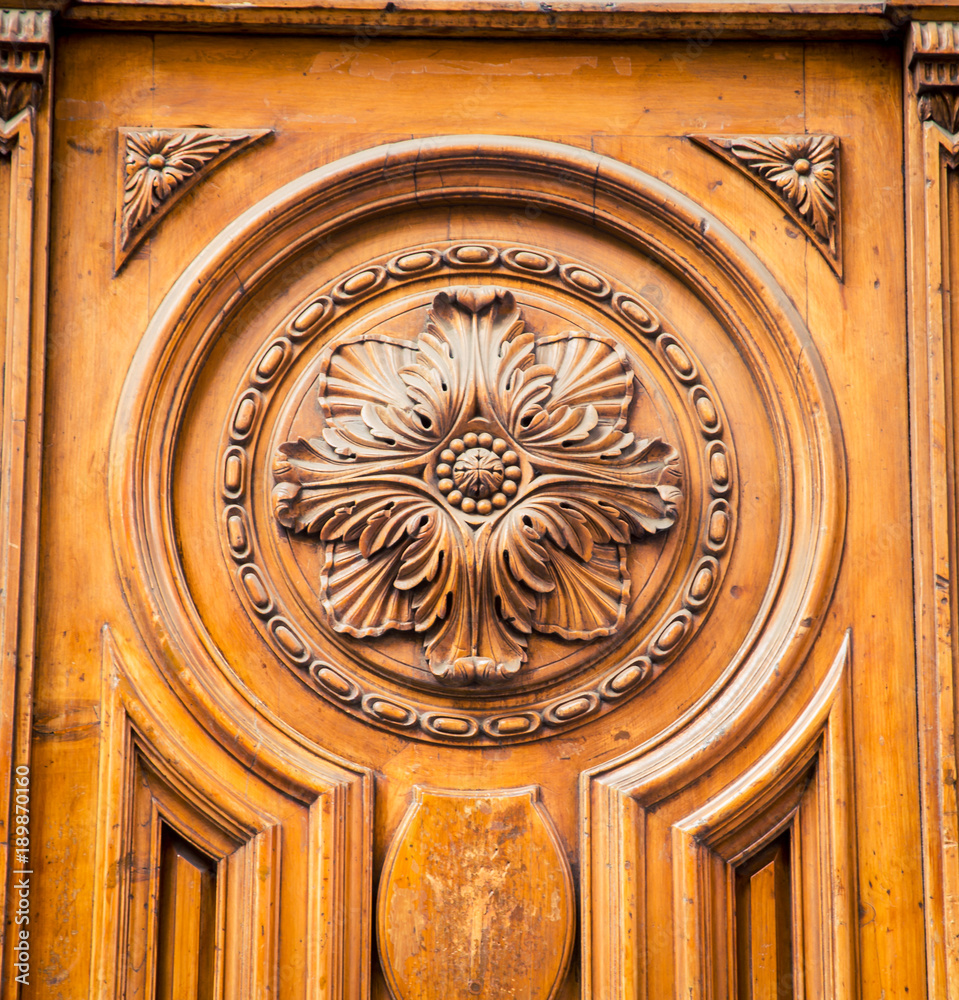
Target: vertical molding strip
<point x="932" y="151"/>
<point x="25" y="53"/>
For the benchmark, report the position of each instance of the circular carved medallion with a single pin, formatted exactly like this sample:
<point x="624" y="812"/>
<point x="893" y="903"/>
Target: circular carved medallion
<point x="476" y="487"/>
<point x="393" y="453"/>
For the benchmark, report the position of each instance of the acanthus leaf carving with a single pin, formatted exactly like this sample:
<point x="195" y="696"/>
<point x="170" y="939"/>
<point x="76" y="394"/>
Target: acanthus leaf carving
<point x="159" y="166"/>
<point x="482" y="537"/>
<point x="801" y="172"/>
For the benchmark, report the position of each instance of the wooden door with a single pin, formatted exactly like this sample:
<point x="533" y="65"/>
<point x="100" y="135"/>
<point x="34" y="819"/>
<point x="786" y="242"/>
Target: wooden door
<point x="476" y="540"/>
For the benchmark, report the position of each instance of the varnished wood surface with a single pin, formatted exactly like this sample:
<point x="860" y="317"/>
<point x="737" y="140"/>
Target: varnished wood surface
<point x="300" y="805"/>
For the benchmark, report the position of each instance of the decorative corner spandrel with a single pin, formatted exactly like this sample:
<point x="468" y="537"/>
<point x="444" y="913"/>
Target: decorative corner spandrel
<point x="158" y="166"/>
<point x="801" y="172"/>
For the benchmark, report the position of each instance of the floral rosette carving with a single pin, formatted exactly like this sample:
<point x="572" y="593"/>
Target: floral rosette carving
<point x="476" y="486"/>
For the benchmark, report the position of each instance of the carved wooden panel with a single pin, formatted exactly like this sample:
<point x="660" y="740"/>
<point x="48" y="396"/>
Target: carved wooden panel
<point x="932" y="94"/>
<point x="199" y="882"/>
<point x="801" y="172"/>
<point x="491" y="917"/>
<point x="468" y="513"/>
<point x="158" y="167"/>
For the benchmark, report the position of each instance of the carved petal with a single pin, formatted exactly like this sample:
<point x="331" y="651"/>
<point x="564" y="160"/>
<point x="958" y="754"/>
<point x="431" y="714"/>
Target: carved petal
<point x="590" y="371"/>
<point x="555" y="563"/>
<point x="394" y="559"/>
<point x="383" y="398"/>
<point x="812" y="193"/>
<point x="588" y="600"/>
<point x="475" y="321"/>
<point x="566" y="396"/>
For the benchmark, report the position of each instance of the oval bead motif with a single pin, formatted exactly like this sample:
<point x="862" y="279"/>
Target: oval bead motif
<point x="391" y="712"/>
<point x="474" y="254"/>
<point x="311" y="315"/>
<point x="530" y="261"/>
<point x="415" y="261"/>
<point x="359" y="282"/>
<point x="628" y="678"/>
<point x="236" y="534"/>
<point x="702" y="584"/>
<point x="718" y="526"/>
<point x="671" y="634"/>
<point x="571" y="708"/>
<point x="256" y="589"/>
<point x="289" y="641"/>
<point x="706" y="410"/>
<point x="511" y="725"/>
<point x="333" y="681"/>
<point x="245" y="415"/>
<point x="586" y="280"/>
<point x="679" y="360"/>
<point x="271" y="361"/>
<point x="719" y="466"/>
<point x="452" y="726"/>
<point x="233" y="468"/>
<point x="638" y="315"/>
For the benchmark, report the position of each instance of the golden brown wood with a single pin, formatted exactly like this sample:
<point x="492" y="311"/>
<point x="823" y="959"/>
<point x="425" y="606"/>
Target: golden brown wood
<point x="476" y="898"/>
<point x="801" y="172"/>
<point x="931" y="88"/>
<point x="764" y="917"/>
<point x="25" y="43"/>
<point x="287" y="594"/>
<point x="159" y="167"/>
<point x="186" y="944"/>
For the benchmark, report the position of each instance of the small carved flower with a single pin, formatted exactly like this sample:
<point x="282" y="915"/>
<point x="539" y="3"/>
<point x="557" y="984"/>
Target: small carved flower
<point x="803" y="168"/>
<point x="476" y="486"/>
<point x="157" y="163"/>
<point x="484" y="473"/>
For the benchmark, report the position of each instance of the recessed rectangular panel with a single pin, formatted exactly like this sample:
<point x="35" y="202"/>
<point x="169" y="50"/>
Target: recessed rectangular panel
<point x="186" y="949"/>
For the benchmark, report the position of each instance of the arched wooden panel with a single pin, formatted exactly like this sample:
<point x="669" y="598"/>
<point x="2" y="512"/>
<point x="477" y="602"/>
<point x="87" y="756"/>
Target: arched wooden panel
<point x="186" y="832"/>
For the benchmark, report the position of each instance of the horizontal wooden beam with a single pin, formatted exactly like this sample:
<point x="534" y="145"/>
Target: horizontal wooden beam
<point x="695" y="21"/>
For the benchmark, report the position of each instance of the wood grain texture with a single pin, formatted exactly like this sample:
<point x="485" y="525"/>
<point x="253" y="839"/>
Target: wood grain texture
<point x="235" y="715"/>
<point x="930" y="87"/>
<point x="476" y="898"/>
<point x="25" y="57"/>
<point x="687" y="19"/>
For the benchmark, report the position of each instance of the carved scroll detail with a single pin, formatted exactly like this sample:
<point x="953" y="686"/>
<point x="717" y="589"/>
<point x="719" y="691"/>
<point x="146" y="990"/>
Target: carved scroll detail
<point x="800" y="171"/>
<point x="159" y="166"/>
<point x="519" y="493"/>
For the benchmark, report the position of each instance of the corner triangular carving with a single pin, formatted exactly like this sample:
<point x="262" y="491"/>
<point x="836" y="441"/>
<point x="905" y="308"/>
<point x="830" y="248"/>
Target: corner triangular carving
<point x="158" y="166"/>
<point x="801" y="172"/>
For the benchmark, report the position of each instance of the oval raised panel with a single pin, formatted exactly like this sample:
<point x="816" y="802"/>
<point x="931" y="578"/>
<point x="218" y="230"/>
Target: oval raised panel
<point x="483" y="919"/>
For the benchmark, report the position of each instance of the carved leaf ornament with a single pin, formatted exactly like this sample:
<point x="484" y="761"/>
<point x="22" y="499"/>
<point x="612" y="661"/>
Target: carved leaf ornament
<point x="802" y="167"/>
<point x="801" y="172"/>
<point x="157" y="164"/>
<point x="477" y="485"/>
<point x="159" y="167"/>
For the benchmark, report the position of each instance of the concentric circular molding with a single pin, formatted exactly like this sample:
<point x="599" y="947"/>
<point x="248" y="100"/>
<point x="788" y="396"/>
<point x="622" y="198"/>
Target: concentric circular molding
<point x="531" y="712"/>
<point x="620" y="201"/>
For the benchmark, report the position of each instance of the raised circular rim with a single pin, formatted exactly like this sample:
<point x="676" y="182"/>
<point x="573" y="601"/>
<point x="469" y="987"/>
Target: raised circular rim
<point x="594" y="189"/>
